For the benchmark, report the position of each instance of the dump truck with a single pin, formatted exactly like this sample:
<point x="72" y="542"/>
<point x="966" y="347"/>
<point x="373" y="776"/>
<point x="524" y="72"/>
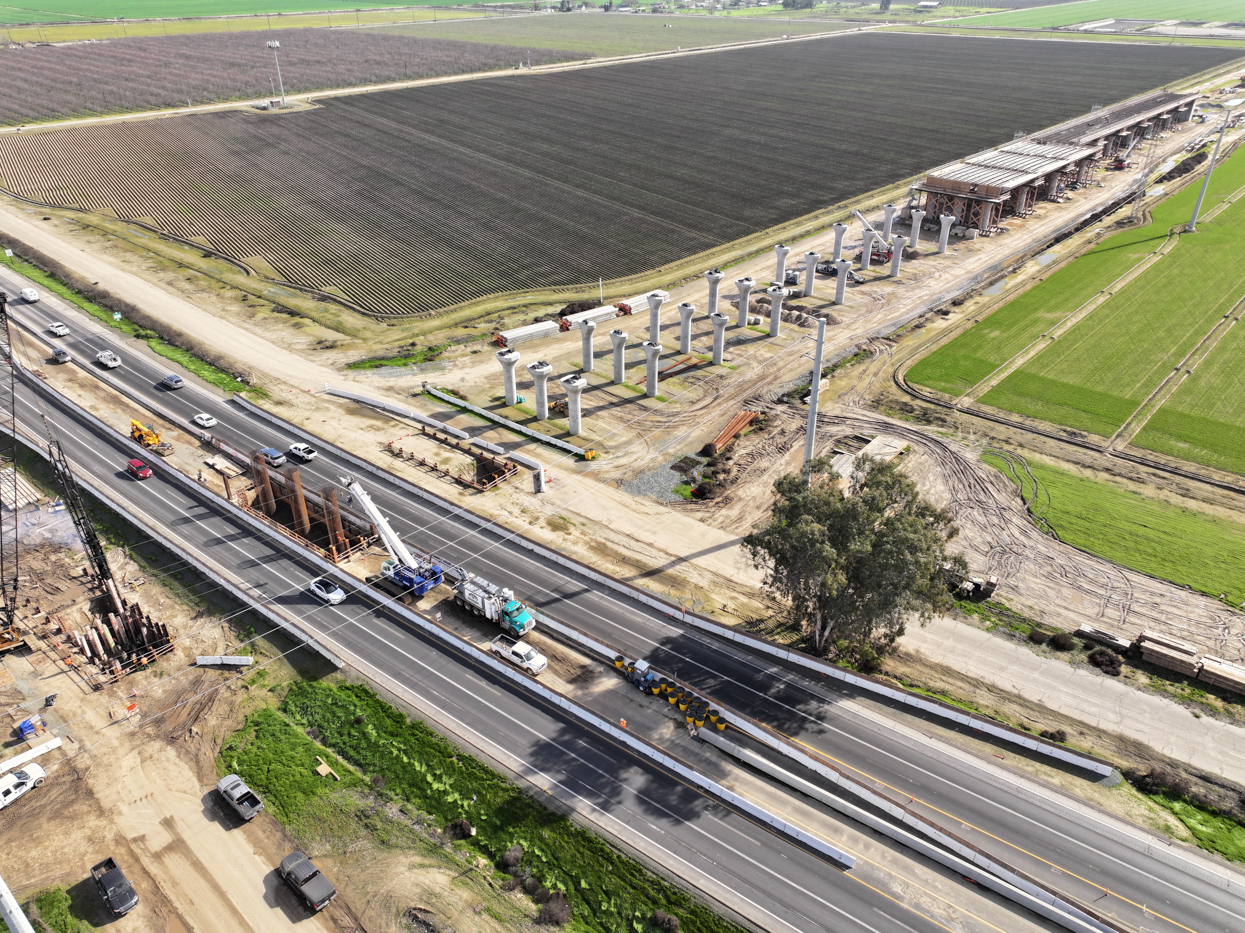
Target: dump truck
<point x="114" y="887"/>
<point x="240" y="797"/>
<point x="519" y="653"/>
<point x="495" y="603"/>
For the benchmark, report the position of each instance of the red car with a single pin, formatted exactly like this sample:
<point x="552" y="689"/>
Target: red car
<point x="138" y="469"/>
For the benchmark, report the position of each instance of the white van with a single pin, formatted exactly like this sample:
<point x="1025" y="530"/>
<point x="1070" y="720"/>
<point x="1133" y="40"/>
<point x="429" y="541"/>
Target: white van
<point x="16" y="783"/>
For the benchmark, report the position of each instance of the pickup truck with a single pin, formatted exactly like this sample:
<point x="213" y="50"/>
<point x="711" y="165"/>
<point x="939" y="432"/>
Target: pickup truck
<point x="114" y="887"/>
<point x="108" y="359"/>
<point x="239" y="796"/>
<point x="301" y="874"/>
<point x="520" y="654"/>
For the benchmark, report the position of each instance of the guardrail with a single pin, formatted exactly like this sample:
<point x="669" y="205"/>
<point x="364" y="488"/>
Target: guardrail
<point x="1015" y="884"/>
<point x="705" y="624"/>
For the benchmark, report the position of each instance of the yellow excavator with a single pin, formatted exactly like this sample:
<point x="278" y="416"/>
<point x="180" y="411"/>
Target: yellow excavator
<point x="146" y="435"/>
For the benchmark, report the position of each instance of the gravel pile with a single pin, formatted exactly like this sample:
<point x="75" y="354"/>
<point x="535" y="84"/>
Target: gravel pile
<point x="657" y="484"/>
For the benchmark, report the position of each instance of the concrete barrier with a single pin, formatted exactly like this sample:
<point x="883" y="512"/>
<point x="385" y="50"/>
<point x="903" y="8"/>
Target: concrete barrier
<point x="397" y="410"/>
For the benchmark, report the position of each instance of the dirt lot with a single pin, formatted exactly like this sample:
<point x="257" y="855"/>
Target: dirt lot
<point x="139" y="785"/>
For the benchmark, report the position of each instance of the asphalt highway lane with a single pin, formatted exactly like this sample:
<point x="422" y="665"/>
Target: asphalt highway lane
<point x="1057" y="846"/>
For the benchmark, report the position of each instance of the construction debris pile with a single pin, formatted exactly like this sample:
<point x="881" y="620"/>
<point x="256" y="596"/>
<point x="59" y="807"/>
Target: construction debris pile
<point x="116" y="644"/>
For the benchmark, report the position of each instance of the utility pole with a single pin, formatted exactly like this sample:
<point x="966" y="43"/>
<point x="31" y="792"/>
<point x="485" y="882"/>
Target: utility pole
<point x="274" y="45"/>
<point x="11" y="912"/>
<point x="9" y="553"/>
<point x="810" y="434"/>
<point x="1197" y="208"/>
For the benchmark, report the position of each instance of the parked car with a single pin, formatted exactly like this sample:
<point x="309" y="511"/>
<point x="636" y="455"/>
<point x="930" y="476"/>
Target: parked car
<point x="61" y="355"/>
<point x="29" y="294"/>
<point x="108" y="359"/>
<point x="304" y="452"/>
<point x="114" y="887"/>
<point x="240" y="797"/>
<point x="18" y="783"/>
<point x="173" y="381"/>
<point x="204" y="421"/>
<point x="272" y="456"/>
<point x="56" y="328"/>
<point x="301" y="874"/>
<point x="327" y="590"/>
<point x="138" y="469"/>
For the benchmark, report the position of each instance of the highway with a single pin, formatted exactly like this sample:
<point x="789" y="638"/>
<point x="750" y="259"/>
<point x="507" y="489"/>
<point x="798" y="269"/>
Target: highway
<point x="1080" y="855"/>
<point x="776" y="884"/>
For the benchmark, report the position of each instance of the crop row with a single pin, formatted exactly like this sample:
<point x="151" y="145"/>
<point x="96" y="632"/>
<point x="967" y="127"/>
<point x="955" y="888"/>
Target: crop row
<point x="407" y="201"/>
<point x="124" y="75"/>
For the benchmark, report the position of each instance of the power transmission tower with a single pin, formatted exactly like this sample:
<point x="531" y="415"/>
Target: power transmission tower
<point x="8" y="478"/>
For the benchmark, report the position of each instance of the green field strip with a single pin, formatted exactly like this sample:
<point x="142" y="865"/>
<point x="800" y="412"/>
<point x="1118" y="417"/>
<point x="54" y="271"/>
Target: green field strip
<point x="1118" y="355"/>
<point x="1018" y="33"/>
<point x="1199" y="11"/>
<point x="49" y="10"/>
<point x="1165" y="540"/>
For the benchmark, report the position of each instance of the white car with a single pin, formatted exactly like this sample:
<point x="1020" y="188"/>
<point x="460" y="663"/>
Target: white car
<point x="327" y="590"/>
<point x="57" y="329"/>
<point x="108" y="359"/>
<point x="204" y="421"/>
<point x="304" y="452"/>
<point x="29" y="294"/>
<point x="16" y="783"/>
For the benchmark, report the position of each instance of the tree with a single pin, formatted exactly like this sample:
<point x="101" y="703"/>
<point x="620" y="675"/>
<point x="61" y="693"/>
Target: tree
<point x="884" y="6"/>
<point x="853" y="564"/>
<point x="798" y="4"/>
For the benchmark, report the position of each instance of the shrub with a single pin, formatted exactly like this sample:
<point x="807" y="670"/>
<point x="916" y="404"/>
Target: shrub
<point x="531" y="885"/>
<point x="510" y="884"/>
<point x="512" y="858"/>
<point x="1106" y="661"/>
<point x="556" y="912"/>
<point x="1055" y="735"/>
<point x="461" y="829"/>
<point x="542" y="895"/>
<point x="1062" y="641"/>
<point x="1039" y="637"/>
<point x="668" y="923"/>
<point x="1158" y="780"/>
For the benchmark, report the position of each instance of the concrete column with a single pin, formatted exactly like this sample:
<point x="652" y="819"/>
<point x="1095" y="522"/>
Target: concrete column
<point x="810" y="272"/>
<point x="719" y="322"/>
<point x="714" y="276"/>
<point x="947" y="221"/>
<point x="810" y="432"/>
<point x="509" y="359"/>
<point x="745" y="287"/>
<point x="918" y="218"/>
<point x="839" y="231"/>
<point x="541" y="371"/>
<point x="655" y="301"/>
<point x="776" y="295"/>
<point x="686" y="310"/>
<point x="651" y="351"/>
<point x="781" y="253"/>
<point x="888" y="220"/>
<point x="574" y="386"/>
<point x="619" y="339"/>
<point x="1053" y="188"/>
<point x="1082" y="171"/>
<point x="897" y="246"/>
<point x="842" y="267"/>
<point x="586" y="329"/>
<point x="866" y="252"/>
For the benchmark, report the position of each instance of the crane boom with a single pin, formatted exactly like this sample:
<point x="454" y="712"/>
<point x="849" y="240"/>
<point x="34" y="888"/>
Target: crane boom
<point x="868" y="226"/>
<point x="393" y="544"/>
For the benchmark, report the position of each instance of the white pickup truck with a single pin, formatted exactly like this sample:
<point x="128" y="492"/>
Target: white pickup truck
<point x="520" y="654"/>
<point x="108" y="358"/>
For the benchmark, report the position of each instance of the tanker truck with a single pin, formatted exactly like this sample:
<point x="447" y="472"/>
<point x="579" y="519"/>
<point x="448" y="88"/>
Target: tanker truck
<point x="495" y="603"/>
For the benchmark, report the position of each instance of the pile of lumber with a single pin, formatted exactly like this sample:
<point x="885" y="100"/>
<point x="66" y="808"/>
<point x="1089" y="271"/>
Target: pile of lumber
<point x="1103" y="638"/>
<point x="731" y="431"/>
<point x="1171" y="653"/>
<point x="1223" y="673"/>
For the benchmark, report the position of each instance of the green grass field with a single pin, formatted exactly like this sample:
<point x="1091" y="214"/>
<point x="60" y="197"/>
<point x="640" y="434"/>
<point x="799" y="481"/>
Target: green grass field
<point x="37" y="11"/>
<point x="1017" y="33"/>
<point x="1184" y="546"/>
<point x="1065" y="14"/>
<point x="615" y="35"/>
<point x="968" y="359"/>
<point x="1098" y="373"/>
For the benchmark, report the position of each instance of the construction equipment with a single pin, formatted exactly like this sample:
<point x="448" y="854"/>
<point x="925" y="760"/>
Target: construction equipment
<point x="832" y="270"/>
<point x="495" y="603"/>
<point x="414" y="577"/>
<point x="145" y="434"/>
<point x="1120" y="164"/>
<point x="881" y="251"/>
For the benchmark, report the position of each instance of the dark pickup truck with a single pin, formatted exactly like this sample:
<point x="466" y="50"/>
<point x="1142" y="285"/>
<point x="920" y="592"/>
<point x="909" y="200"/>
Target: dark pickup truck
<point x="239" y="796"/>
<point x="301" y="874"/>
<point x="114" y="887"/>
